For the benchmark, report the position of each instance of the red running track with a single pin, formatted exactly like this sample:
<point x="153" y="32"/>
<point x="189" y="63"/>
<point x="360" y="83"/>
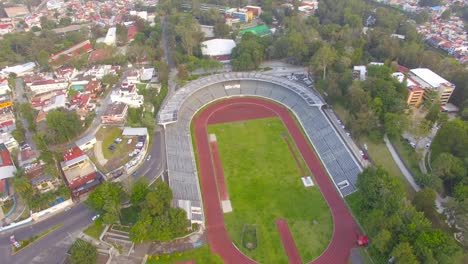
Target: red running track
<point x="288" y="241"/>
<point x="345" y="229"/>
<point x="219" y="172"/>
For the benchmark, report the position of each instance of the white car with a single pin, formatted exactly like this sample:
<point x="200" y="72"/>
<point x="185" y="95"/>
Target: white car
<point x="95" y="217"/>
<point x="129" y="141"/>
<point x="148" y="158"/>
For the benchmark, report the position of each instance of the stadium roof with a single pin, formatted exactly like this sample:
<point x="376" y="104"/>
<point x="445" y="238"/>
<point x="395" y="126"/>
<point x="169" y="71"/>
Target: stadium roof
<point x="218" y="47"/>
<point x="260" y="31"/>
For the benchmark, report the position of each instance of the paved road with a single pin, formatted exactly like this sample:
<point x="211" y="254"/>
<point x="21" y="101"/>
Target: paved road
<point x="156" y="165"/>
<point x="52" y="248"/>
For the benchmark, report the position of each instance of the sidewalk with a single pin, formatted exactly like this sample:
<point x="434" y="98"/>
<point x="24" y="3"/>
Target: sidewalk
<point x="19" y="209"/>
<point x="409" y="177"/>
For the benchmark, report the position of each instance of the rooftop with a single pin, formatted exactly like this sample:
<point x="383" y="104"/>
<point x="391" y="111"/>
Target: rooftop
<point x="217" y="47"/>
<point x="115" y="109"/>
<point x="430" y="77"/>
<point x="72" y="153"/>
<point x="260" y="31"/>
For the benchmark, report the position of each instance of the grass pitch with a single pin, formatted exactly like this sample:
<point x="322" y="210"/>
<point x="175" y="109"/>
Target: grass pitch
<point x="263" y="181"/>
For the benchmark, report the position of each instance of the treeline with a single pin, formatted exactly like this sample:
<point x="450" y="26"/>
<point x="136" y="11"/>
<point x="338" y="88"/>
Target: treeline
<point x="399" y="232"/>
<point x="334" y="40"/>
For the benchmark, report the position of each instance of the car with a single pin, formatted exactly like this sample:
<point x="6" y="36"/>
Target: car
<point x="428" y="144"/>
<point x="412" y="144"/>
<point x="117" y="140"/>
<point x="111" y="147"/>
<point x="134" y="174"/>
<point x="95" y="217"/>
<point x="14" y="242"/>
<point x="129" y="141"/>
<point x="348" y="134"/>
<point x="363" y="155"/>
<point x="148" y="158"/>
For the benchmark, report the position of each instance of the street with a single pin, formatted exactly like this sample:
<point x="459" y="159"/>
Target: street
<point x="53" y="247"/>
<point x="153" y="168"/>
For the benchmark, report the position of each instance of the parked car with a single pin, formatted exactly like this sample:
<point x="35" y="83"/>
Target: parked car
<point x="14" y="242"/>
<point x="148" y="158"/>
<point x="95" y="217"/>
<point x="111" y="147"/>
<point x="363" y="155"/>
<point x="117" y="140"/>
<point x="129" y="141"/>
<point x="412" y="144"/>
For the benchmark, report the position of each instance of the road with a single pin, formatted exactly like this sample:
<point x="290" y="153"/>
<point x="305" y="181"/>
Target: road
<point x="156" y="165"/>
<point x="53" y="247"/>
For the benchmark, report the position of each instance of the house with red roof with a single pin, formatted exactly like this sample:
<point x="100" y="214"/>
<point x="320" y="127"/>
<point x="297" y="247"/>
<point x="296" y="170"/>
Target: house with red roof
<point x="131" y="32"/>
<point x="7" y="170"/>
<point x="79" y="172"/>
<point x="6" y="28"/>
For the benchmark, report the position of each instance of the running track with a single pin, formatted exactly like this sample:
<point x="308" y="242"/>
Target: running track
<point x="235" y="109"/>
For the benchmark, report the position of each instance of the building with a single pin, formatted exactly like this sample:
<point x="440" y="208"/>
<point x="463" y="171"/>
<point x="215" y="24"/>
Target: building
<point x="7" y="119"/>
<point x="256" y="10"/>
<point x="9" y="141"/>
<point x="7" y="167"/>
<point x="134" y="131"/>
<point x="260" y="31"/>
<point x="19" y="70"/>
<point x="219" y="49"/>
<point x="111" y="36"/>
<point x="432" y="83"/>
<point x="415" y="93"/>
<point x="80" y="173"/>
<point x="16" y="11"/>
<point x="115" y="113"/>
<point x="131" y="32"/>
<point x="4" y="87"/>
<point x="147" y="74"/>
<point x="6" y="28"/>
<point x="45" y="86"/>
<point x="128" y="95"/>
<point x="86" y="143"/>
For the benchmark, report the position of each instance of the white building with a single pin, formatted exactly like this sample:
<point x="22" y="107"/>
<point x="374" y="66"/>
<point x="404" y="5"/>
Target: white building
<point x="142" y="14"/>
<point x="111" y="36"/>
<point x="86" y="143"/>
<point x="9" y="141"/>
<point x="6" y="28"/>
<point x="99" y="71"/>
<point x="55" y="102"/>
<point x="133" y="100"/>
<point x="147" y="74"/>
<point x="19" y="70"/>
<point x="431" y="81"/>
<point x="45" y="86"/>
<point x="219" y="49"/>
<point x="4" y="87"/>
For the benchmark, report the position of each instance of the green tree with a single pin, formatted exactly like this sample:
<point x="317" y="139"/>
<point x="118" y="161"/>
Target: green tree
<point x="82" y="252"/>
<point x="139" y="191"/>
<point x="325" y="56"/>
<point x="248" y="54"/>
<point x="106" y="200"/>
<point x="62" y="126"/>
<point x="382" y="241"/>
<point x="424" y="200"/>
<point x="395" y="124"/>
<point x="403" y="254"/>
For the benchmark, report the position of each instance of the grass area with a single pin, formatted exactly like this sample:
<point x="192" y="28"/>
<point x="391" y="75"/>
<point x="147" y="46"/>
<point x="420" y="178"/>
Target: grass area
<point x="141" y="86"/>
<point x="199" y="255"/>
<point x="6" y="207"/>
<point x="119" y="155"/>
<point x="259" y="167"/>
<point x="121" y="228"/>
<point x="95" y="229"/>
<point x="28" y="242"/>
<point x="380" y="155"/>
<point x="129" y="215"/>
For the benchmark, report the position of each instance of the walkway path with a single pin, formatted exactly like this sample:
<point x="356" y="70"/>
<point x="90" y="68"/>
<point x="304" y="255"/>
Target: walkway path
<point x="98" y="153"/>
<point x="409" y="177"/>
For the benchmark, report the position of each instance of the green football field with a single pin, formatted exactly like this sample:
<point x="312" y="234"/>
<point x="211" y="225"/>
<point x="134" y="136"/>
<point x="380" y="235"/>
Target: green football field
<point x="263" y="182"/>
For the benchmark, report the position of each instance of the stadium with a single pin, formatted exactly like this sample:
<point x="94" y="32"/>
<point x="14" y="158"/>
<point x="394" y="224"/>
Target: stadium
<point x="190" y="118"/>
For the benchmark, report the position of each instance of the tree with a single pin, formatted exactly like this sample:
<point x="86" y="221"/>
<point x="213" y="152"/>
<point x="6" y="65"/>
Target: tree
<point x="22" y="185"/>
<point x="297" y="48"/>
<point x="395" y="124"/>
<point x="62" y="126"/>
<point x="430" y="2"/>
<point x="446" y="14"/>
<point x="110" y="79"/>
<point x="189" y="33"/>
<point x="158" y="200"/>
<point x="139" y="191"/>
<point x="382" y="241"/>
<point x="248" y="54"/>
<point x="82" y="252"/>
<point x="380" y="190"/>
<point x="424" y="200"/>
<point x="325" y="56"/>
<point x="106" y="200"/>
<point x="403" y="254"/>
<point x="421" y="129"/>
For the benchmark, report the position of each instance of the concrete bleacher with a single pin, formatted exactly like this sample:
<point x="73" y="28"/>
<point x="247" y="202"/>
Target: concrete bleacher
<point x="177" y="112"/>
